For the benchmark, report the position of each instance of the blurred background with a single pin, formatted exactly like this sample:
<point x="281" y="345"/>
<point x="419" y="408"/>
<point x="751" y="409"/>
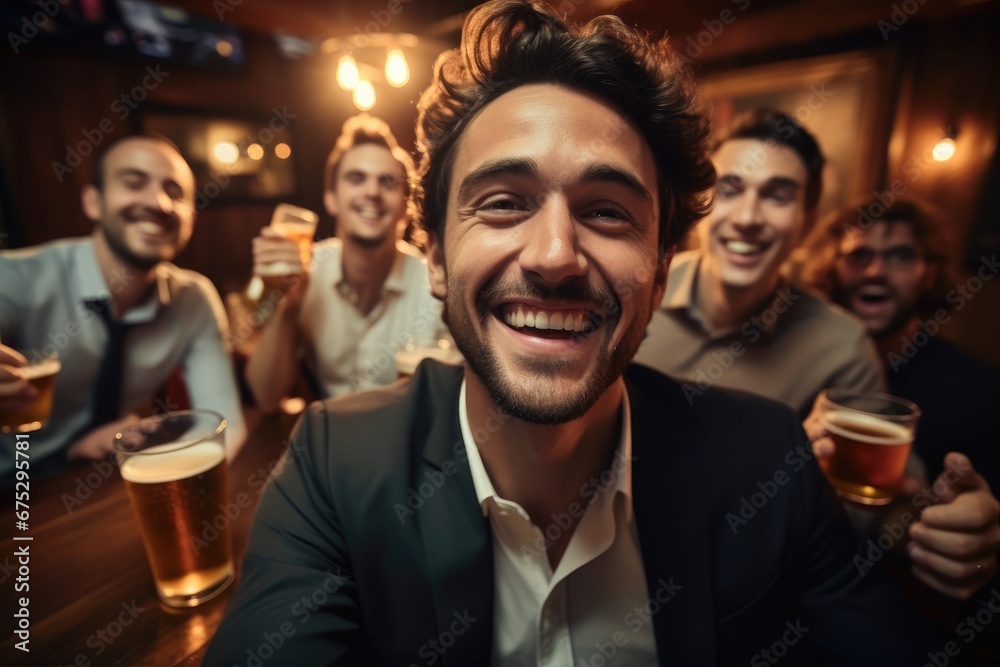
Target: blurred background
<point x="902" y="96"/>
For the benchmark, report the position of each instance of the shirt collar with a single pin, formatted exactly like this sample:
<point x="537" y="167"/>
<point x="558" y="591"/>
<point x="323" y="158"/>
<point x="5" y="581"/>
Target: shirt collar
<point x="680" y="286"/>
<point x="621" y="464"/>
<point x="92" y="286"/>
<point x="681" y="291"/>
<point x="87" y="274"/>
<point x="395" y="281"/>
<point x="680" y="296"/>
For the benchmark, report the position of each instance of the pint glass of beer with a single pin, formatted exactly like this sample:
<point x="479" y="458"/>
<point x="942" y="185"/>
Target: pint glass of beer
<point x="299" y="225"/>
<point x="42" y="375"/>
<point x="873" y="434"/>
<point x="174" y="467"/>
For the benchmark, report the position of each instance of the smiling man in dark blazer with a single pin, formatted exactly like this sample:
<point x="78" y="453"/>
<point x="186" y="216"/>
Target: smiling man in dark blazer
<point x="549" y="503"/>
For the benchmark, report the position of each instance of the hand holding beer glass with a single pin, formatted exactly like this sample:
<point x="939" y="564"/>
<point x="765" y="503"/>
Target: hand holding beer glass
<point x="26" y="390"/>
<point x="174" y="467"/>
<point x="283" y="250"/>
<point x="872" y="434"/>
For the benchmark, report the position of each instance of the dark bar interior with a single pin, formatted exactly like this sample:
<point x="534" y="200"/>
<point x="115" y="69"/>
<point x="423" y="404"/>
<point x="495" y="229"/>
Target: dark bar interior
<point x="902" y="97"/>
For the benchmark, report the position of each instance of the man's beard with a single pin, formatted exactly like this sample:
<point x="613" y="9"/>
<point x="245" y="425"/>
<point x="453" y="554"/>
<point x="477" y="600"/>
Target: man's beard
<point x="897" y="320"/>
<point x="533" y="402"/>
<point x="125" y="254"/>
<point x="893" y="327"/>
<point x="369" y="242"/>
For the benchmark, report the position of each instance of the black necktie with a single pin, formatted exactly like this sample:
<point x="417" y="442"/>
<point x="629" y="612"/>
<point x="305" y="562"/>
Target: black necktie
<point x="108" y="385"/>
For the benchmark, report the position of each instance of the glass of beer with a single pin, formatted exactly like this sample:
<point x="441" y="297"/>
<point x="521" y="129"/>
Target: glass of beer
<point x="174" y="467"/>
<point x="299" y="225"/>
<point x="873" y="434"/>
<point x="41" y="375"/>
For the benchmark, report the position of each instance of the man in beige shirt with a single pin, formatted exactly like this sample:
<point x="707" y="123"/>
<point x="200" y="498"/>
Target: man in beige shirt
<point x="365" y="295"/>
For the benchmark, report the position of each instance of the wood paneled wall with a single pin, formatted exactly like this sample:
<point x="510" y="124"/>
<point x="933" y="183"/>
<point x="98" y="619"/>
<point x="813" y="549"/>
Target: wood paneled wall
<point x="50" y="100"/>
<point x="53" y="100"/>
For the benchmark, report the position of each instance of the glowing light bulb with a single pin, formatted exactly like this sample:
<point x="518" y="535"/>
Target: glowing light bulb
<point x="364" y="95"/>
<point x="282" y="151"/>
<point x="224" y="48"/>
<point x="397" y="72"/>
<point x="944" y="149"/>
<point x="226" y="152"/>
<point x="255" y="151"/>
<point x="347" y="73"/>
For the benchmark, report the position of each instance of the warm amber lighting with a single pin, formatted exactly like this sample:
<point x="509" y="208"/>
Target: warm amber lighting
<point x="347" y="73"/>
<point x="397" y="72"/>
<point x="224" y="48"/>
<point x="282" y="151"/>
<point x="292" y="405"/>
<point x="226" y="152"/>
<point x="255" y="151"/>
<point x="364" y="95"/>
<point x="944" y="149"/>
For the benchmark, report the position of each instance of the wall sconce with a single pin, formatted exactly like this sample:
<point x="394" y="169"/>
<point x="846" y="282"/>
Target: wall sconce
<point x="944" y="150"/>
<point x="356" y="74"/>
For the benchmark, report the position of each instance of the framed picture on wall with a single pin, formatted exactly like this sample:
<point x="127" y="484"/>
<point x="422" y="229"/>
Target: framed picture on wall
<point x="843" y="100"/>
<point x="235" y="159"/>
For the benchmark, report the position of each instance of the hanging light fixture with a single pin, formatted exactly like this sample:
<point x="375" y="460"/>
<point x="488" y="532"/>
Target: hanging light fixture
<point x="347" y="73"/>
<point x="397" y="72"/>
<point x="355" y="69"/>
<point x="364" y="95"/>
<point x="944" y="149"/>
<point x="226" y="152"/>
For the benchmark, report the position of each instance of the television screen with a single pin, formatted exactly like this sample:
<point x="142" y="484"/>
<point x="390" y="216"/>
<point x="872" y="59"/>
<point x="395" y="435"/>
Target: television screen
<point x="125" y="27"/>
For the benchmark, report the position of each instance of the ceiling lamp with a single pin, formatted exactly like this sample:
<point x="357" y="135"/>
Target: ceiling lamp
<point x="364" y="95"/>
<point x="356" y="57"/>
<point x="397" y="72"/>
<point x="347" y="73"/>
<point x="226" y="152"/>
<point x="944" y="150"/>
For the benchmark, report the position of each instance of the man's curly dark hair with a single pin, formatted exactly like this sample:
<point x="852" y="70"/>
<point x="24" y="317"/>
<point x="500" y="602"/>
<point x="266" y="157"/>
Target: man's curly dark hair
<point x="511" y="43"/>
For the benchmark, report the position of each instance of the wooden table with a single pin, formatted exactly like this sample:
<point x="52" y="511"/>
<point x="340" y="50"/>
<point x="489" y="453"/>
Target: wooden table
<point x="92" y="597"/>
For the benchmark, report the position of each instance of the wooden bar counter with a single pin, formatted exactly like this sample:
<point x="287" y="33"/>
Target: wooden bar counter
<point x="92" y="600"/>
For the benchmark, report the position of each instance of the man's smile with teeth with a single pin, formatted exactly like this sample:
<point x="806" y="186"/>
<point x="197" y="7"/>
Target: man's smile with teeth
<point x="873" y="293"/>
<point x="152" y="227"/>
<point x="368" y="212"/>
<point x="519" y="316"/>
<point x="743" y="247"/>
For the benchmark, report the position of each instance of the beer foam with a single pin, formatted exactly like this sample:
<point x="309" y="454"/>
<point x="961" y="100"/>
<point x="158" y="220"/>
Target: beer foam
<point x="846" y="424"/>
<point x="278" y="269"/>
<point x="171" y="466"/>
<point x="294" y="228"/>
<point x="42" y="369"/>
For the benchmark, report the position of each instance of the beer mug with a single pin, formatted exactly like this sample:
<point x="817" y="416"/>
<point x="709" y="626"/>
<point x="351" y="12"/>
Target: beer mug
<point x="299" y="225"/>
<point x="174" y="467"/>
<point x="873" y="434"/>
<point x="41" y="375"/>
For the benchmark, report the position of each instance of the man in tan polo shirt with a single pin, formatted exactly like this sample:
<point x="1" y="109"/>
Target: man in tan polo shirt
<point x="728" y="318"/>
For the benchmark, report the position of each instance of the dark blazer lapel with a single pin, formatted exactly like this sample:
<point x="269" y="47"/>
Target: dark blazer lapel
<point x="670" y="481"/>
<point x="456" y="535"/>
